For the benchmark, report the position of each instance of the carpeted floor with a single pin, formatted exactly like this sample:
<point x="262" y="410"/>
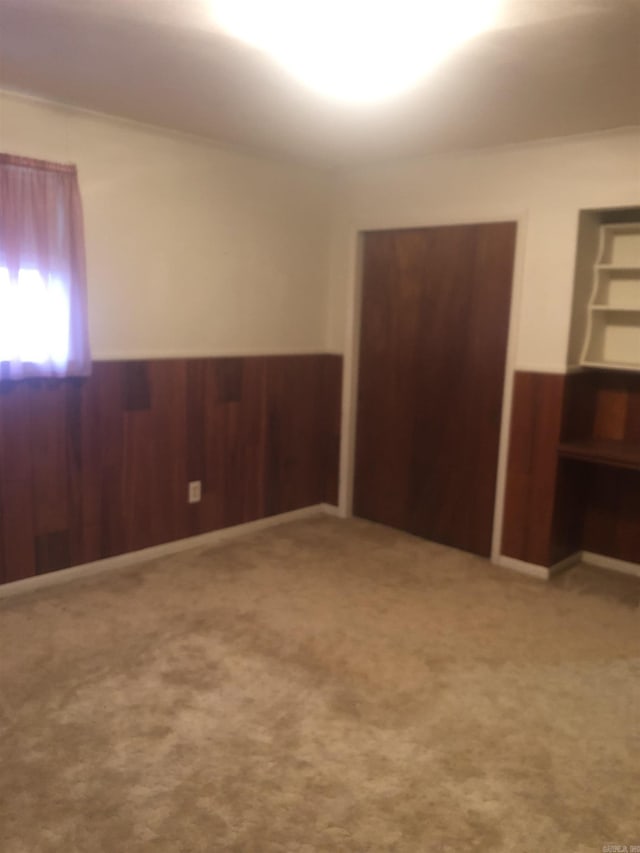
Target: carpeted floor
<point x="322" y="686"/>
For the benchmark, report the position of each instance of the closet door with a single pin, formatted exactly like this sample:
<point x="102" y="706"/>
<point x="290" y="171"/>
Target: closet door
<point x="435" y="317"/>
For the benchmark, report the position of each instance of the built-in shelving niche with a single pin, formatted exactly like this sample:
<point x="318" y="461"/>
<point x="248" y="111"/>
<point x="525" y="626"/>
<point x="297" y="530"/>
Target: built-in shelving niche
<point x="601" y="426"/>
<point x="605" y="330"/>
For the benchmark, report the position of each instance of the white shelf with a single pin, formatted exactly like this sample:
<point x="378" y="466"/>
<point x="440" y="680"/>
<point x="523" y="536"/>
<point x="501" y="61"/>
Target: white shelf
<point x="620" y="245"/>
<point x="610" y="365"/>
<point x="631" y="309"/>
<point x="612" y="337"/>
<point x="634" y="268"/>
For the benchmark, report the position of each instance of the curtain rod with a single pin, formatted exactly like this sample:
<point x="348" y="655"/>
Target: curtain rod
<point x="29" y="162"/>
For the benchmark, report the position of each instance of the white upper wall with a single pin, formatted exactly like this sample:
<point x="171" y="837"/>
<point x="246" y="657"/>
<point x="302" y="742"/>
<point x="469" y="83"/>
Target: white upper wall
<point x="543" y="185"/>
<point x="191" y="249"/>
<point x="198" y="250"/>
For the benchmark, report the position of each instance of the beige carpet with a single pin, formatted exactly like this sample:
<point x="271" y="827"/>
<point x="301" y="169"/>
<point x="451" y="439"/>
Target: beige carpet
<point x="325" y="685"/>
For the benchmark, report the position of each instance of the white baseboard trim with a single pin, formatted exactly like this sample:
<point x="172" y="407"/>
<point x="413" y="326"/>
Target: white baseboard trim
<point x="565" y="564"/>
<point x="214" y="537"/>
<point x="601" y="561"/>
<point x="533" y="570"/>
<point x="329" y="509"/>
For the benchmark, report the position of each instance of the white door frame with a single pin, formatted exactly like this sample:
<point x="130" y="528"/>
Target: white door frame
<point x="352" y="348"/>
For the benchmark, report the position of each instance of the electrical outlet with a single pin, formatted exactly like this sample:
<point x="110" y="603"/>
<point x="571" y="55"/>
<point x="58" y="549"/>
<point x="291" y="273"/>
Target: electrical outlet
<point x="194" y="494"/>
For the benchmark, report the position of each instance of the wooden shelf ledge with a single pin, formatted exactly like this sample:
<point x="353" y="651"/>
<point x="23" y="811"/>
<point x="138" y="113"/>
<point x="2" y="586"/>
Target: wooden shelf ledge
<point x="598" y="451"/>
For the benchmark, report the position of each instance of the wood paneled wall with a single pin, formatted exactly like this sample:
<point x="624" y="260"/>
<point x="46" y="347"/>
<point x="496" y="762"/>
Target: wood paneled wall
<point x="555" y="507"/>
<point x="98" y="467"/>
<point x="536" y="425"/>
<point x="603" y="404"/>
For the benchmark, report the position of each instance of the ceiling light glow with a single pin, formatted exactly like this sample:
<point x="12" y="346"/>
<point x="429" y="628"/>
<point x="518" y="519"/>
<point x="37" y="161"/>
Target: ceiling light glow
<point x="357" y="50"/>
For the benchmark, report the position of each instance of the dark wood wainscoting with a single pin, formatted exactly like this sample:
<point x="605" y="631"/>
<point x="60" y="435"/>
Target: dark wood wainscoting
<point x="533" y="474"/>
<point x="98" y="467"/>
<point x="573" y="479"/>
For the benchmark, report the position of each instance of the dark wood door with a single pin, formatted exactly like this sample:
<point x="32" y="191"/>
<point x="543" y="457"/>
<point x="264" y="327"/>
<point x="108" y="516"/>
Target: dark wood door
<point x="435" y="317"/>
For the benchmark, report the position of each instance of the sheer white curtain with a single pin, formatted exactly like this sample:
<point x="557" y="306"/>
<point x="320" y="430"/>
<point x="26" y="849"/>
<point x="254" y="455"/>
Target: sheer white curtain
<point x="43" y="303"/>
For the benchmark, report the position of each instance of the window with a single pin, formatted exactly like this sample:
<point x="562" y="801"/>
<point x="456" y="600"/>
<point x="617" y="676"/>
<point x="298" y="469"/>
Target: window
<point x="43" y="314"/>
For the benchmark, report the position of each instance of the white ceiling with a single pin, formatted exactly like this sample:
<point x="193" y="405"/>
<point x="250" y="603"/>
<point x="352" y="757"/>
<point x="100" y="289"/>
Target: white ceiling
<point x="554" y="68"/>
